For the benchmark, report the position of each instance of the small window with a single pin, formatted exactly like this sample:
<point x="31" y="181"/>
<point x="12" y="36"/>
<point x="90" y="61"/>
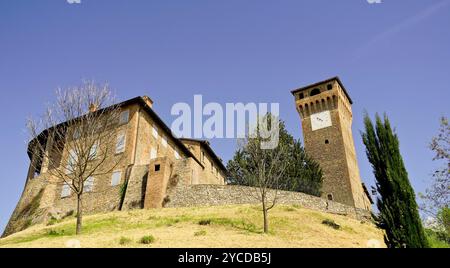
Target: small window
<point x="176" y="154"/>
<point x="327" y="142"/>
<point x="120" y="144"/>
<point x="115" y="179"/>
<point x="329" y="86"/>
<point x="93" y="152"/>
<point x="301" y="95"/>
<point x="155" y="132"/>
<point x="66" y="191"/>
<point x="71" y="162"/>
<point x="89" y="184"/>
<point x="152" y="153"/>
<point x="157" y="167"/>
<point x="76" y="134"/>
<point x="164" y="141"/>
<point x="314" y="92"/>
<point x="330" y="197"/>
<point x="124" y="117"/>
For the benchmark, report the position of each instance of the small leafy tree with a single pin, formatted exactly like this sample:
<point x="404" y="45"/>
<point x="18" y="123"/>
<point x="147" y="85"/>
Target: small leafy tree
<point x="74" y="141"/>
<point x="260" y="168"/>
<point x="303" y="174"/>
<point x="398" y="211"/>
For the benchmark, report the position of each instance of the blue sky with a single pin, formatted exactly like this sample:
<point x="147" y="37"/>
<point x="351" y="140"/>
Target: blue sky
<point x="393" y="57"/>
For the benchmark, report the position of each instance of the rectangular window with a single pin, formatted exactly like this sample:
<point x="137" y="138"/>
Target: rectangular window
<point x="93" y="152"/>
<point x="66" y="191"/>
<point x="124" y="117"/>
<point x="76" y="134"/>
<point x="155" y="132"/>
<point x="115" y="179"/>
<point x="120" y="144"/>
<point x="71" y="162"/>
<point x="153" y="153"/>
<point x="89" y="184"/>
<point x="164" y="141"/>
<point x="176" y="154"/>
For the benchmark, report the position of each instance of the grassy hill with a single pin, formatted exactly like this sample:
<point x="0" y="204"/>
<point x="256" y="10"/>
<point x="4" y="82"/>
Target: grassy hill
<point x="224" y="226"/>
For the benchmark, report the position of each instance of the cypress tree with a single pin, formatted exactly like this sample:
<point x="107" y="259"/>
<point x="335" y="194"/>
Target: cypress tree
<point x="398" y="211"/>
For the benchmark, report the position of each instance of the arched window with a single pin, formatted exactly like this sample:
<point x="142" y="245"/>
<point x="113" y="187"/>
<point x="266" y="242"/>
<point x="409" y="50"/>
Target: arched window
<point x="329" y="86"/>
<point x="324" y="105"/>
<point x="330" y="197"/>
<point x="301" y="95"/>
<point x="314" y="92"/>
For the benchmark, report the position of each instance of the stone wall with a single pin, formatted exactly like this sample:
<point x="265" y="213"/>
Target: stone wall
<point x="216" y="195"/>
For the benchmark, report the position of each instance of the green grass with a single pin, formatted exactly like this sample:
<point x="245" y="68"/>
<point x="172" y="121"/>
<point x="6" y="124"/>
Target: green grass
<point x="146" y="240"/>
<point x="125" y="241"/>
<point x="200" y="233"/>
<point x="435" y="240"/>
<point x="331" y="223"/>
<point x="225" y="226"/>
<point x="233" y="223"/>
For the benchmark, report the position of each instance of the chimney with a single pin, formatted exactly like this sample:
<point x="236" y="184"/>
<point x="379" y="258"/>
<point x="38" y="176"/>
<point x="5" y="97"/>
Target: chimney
<point x="93" y="107"/>
<point x="148" y="101"/>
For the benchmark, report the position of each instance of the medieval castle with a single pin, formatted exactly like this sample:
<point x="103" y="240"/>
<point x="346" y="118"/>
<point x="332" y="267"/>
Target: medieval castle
<point x="154" y="161"/>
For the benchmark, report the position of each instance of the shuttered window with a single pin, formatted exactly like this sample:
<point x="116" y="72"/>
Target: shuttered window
<point x="89" y="184"/>
<point x="121" y="141"/>
<point x="66" y="191"/>
<point x="115" y="179"/>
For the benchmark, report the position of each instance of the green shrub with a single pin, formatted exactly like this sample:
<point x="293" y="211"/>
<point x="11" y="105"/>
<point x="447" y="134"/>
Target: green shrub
<point x="204" y="222"/>
<point x="124" y="240"/>
<point x="200" y="233"/>
<point x="27" y="223"/>
<point x="52" y="232"/>
<point x="148" y="239"/>
<point x="69" y="214"/>
<point x="331" y="223"/>
<point x="437" y="239"/>
<point x="52" y="221"/>
<point x="122" y="193"/>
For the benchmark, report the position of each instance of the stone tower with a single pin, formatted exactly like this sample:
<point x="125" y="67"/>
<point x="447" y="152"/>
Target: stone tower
<point x="326" y="114"/>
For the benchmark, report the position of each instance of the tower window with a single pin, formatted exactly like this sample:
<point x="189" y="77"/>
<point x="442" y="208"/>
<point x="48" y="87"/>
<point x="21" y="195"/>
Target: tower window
<point x="327" y="142"/>
<point x="330" y="197"/>
<point x="315" y="91"/>
<point x="157" y="167"/>
<point x="301" y="95"/>
<point x="329" y="86"/>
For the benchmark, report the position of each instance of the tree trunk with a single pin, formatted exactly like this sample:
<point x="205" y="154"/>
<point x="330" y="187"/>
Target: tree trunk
<point x="79" y="214"/>
<point x="266" y="220"/>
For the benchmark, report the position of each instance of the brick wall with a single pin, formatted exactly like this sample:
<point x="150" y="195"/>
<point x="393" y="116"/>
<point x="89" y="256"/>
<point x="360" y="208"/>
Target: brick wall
<point x="216" y="195"/>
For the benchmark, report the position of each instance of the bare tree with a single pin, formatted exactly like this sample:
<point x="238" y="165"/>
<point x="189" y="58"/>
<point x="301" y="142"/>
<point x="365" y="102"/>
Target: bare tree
<point x="75" y="140"/>
<point x="263" y="169"/>
<point x="437" y="196"/>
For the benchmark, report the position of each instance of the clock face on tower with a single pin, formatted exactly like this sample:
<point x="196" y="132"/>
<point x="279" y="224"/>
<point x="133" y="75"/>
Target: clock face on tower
<point x="320" y="120"/>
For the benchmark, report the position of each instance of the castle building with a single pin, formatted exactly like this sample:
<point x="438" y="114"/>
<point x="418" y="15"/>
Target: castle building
<point x="325" y="109"/>
<point x="152" y="162"/>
